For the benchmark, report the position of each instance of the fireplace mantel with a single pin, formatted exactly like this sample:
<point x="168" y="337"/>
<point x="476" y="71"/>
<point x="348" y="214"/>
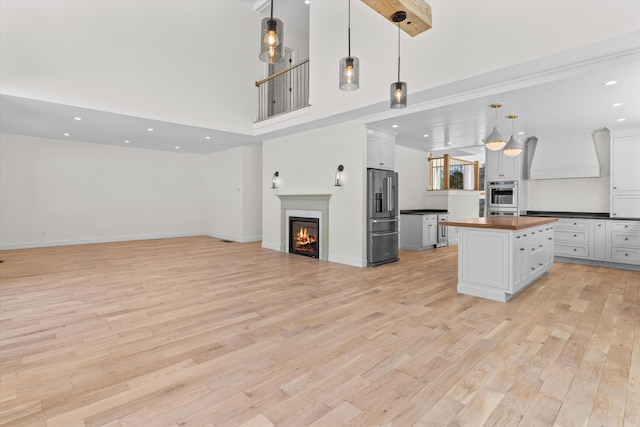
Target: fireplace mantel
<point x="306" y="202"/>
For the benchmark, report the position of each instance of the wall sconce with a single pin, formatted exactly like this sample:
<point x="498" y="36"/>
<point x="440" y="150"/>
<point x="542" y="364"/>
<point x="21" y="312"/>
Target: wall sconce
<point x="339" y="176"/>
<point x="274" y="179"/>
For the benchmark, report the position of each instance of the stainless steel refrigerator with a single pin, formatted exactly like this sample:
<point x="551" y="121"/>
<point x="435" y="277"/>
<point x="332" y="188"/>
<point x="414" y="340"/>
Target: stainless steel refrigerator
<point x="382" y="216"/>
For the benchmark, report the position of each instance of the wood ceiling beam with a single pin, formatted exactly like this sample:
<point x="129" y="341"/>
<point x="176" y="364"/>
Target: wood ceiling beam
<point x="418" y="13"/>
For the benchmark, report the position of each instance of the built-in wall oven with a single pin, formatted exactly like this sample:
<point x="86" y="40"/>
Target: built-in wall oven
<point x="502" y="198"/>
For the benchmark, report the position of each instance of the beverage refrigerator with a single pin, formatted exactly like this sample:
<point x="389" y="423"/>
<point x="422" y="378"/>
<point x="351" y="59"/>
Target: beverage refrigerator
<point x="382" y="216"/>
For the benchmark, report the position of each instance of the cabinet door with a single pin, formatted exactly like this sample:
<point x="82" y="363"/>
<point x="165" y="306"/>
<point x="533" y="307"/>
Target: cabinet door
<point x="380" y="150"/>
<point x="429" y="237"/>
<point x="599" y="240"/>
<point x="501" y="167"/>
<point x="625" y="174"/>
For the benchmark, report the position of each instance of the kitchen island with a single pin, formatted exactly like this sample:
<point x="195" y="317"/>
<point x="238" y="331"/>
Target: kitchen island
<point x="499" y="256"/>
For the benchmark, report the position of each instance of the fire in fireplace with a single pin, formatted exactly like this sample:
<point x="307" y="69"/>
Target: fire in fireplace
<point x="304" y="237"/>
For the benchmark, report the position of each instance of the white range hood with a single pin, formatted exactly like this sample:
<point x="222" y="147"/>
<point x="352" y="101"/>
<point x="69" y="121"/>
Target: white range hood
<point x="567" y="155"/>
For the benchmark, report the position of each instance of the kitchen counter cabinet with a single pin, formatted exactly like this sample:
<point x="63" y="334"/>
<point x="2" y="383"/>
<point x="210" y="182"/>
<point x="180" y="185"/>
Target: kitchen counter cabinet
<point x="418" y="232"/>
<point x="500" y="256"/>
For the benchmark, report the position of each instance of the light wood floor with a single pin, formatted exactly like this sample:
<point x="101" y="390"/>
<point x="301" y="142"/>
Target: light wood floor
<point x="201" y="332"/>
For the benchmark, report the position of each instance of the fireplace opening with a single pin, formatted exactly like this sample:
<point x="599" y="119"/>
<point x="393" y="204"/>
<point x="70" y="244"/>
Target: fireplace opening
<point x="304" y="236"/>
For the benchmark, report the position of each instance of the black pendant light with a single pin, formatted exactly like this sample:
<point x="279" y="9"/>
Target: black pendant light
<point x="271" y="39"/>
<point x="398" y="95"/>
<point x="349" y="65"/>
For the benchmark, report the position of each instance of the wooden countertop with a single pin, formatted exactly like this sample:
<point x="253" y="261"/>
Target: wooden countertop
<point x="501" y="222"/>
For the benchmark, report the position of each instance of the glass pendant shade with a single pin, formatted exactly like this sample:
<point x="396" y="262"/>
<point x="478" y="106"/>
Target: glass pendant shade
<point x="513" y="147"/>
<point x="349" y="73"/>
<point x="398" y="95"/>
<point x="495" y="141"/>
<point x="271" y="40"/>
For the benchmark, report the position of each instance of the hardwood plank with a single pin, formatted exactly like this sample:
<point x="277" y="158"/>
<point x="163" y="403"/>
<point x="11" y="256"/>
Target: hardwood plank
<point x="202" y="332"/>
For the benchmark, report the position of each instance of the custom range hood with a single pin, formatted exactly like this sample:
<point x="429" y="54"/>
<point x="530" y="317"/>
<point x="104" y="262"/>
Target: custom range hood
<point x="567" y="155"/>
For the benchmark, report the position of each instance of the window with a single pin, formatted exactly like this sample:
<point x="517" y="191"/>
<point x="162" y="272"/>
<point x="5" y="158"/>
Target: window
<point x="449" y="173"/>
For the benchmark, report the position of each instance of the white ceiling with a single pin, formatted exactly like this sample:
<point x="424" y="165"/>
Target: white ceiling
<point x="548" y="102"/>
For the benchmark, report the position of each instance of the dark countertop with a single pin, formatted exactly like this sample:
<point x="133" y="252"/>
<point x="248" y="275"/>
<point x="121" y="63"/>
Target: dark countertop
<point x="423" y="211"/>
<point x="584" y="215"/>
<point x="501" y="222"/>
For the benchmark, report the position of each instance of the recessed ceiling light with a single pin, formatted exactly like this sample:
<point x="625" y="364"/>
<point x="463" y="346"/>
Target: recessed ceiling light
<point x="610" y="83"/>
<point x="394" y="126"/>
<point x="207" y="137"/>
<point x="617" y="104"/>
<point x="77" y="118"/>
<point x="449" y="142"/>
<point x="66" y="134"/>
<point x="150" y="129"/>
<point x="177" y="148"/>
<point x="621" y="120"/>
<point x="126" y="141"/>
<point x="426" y="135"/>
<point x="520" y="133"/>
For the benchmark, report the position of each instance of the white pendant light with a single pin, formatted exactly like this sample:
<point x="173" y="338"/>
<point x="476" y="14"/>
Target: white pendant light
<point x="349" y="65"/>
<point x="513" y="147"/>
<point x="271" y="39"/>
<point x="495" y="141"/>
<point x="398" y="92"/>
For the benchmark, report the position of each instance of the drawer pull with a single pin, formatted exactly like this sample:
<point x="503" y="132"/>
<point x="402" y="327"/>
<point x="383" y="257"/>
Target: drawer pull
<point x="599" y="225"/>
<point x="522" y="249"/>
<point x="550" y="238"/>
<point x="575" y="223"/>
<point x="626" y="226"/>
<point x="539" y="246"/>
<point x="575" y="250"/>
<point x="540" y="264"/>
<point x="626" y="254"/>
<point x="626" y="238"/>
<point x="575" y="235"/>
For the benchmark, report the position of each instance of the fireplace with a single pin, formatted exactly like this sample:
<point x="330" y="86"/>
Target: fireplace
<point x="304" y="236"/>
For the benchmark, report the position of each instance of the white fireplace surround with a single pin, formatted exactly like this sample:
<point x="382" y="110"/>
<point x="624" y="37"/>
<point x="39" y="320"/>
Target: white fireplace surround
<point x="309" y="206"/>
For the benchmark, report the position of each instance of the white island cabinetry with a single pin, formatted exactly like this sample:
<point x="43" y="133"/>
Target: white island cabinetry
<point x="500" y="256"/>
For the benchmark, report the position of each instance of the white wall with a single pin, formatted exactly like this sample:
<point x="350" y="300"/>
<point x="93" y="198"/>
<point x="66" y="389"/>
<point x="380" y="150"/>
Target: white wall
<point x="195" y="62"/>
<point x="233" y="195"/>
<point x="576" y="194"/>
<point x="307" y="163"/>
<point x="413" y="176"/>
<point x="56" y="192"/>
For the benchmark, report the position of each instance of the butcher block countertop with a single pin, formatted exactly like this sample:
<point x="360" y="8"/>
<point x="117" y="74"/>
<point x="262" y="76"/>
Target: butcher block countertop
<point x="501" y="222"/>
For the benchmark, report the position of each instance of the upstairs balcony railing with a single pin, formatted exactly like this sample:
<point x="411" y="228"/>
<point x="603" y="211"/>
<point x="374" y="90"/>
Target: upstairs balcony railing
<point x="449" y="173"/>
<point x="284" y="91"/>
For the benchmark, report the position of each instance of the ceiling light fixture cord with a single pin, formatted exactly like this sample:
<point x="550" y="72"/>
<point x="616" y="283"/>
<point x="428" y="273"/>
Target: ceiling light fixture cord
<point x="398" y="50"/>
<point x="349" y="29"/>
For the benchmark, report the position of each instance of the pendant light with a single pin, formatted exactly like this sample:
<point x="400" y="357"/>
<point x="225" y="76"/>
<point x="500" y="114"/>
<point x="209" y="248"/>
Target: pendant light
<point x="271" y="39"/>
<point x="495" y="141"/>
<point x="349" y="65"/>
<point x="513" y="147"/>
<point x="398" y="91"/>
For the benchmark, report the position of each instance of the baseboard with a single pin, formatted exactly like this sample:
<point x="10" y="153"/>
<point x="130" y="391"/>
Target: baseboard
<point x="595" y="263"/>
<point x="45" y="244"/>
<point x="235" y="238"/>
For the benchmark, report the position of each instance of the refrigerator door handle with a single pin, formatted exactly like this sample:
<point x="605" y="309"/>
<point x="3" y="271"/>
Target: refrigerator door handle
<point x="389" y="195"/>
<point x="390" y="233"/>
<point x="385" y="220"/>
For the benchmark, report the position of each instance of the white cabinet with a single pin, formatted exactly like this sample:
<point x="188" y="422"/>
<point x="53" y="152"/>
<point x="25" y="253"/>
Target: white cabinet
<point x="500" y="167"/>
<point x="429" y="227"/>
<point x="624" y="241"/>
<point x="625" y="174"/>
<point x="418" y="232"/>
<point x="380" y="150"/>
<point x="496" y="264"/>
<point x="600" y="239"/>
<point x="604" y="240"/>
<point x="572" y="238"/>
